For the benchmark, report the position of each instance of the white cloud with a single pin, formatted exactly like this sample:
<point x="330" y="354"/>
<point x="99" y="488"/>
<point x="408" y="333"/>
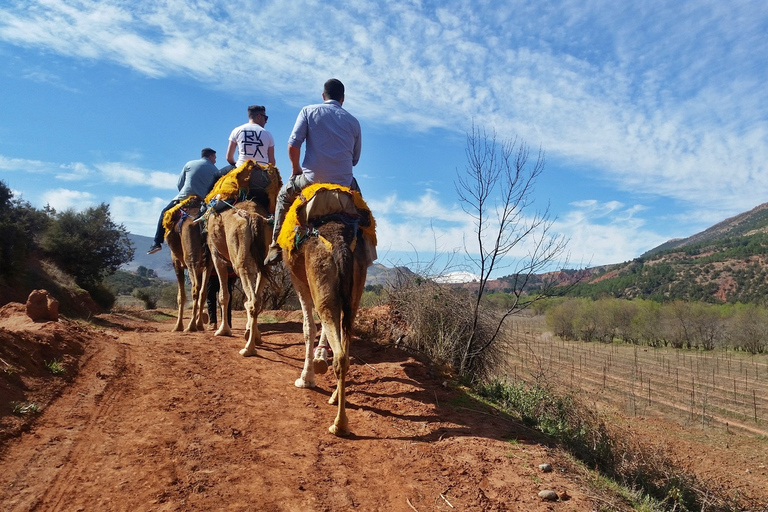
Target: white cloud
<point x="64" y="199"/>
<point x="73" y="172"/>
<point x="119" y="172"/>
<point x="600" y="233"/>
<point x="23" y="165"/>
<point x="137" y="215"/>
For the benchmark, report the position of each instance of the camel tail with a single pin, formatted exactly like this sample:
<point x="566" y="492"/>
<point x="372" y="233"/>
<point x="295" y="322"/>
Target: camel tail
<point x="342" y="256"/>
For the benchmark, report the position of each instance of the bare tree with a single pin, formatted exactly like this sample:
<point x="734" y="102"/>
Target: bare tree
<point x="496" y="190"/>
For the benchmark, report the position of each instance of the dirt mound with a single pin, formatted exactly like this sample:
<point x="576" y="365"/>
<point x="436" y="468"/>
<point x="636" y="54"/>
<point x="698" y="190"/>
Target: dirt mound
<point x="28" y="351"/>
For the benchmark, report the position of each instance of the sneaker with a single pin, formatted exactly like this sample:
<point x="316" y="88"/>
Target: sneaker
<point x="155" y="248"/>
<point x="274" y="255"/>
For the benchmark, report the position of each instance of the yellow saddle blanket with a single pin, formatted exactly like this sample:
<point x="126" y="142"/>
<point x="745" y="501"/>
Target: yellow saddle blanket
<point x="321" y="199"/>
<point x="230" y="186"/>
<point x="189" y="206"/>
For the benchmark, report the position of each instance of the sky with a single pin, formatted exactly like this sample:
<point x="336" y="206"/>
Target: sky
<point x="652" y="115"/>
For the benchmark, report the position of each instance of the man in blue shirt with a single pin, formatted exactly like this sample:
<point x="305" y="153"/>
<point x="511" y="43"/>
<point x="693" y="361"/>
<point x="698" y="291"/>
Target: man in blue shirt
<point x="197" y="178"/>
<point x="333" y="147"/>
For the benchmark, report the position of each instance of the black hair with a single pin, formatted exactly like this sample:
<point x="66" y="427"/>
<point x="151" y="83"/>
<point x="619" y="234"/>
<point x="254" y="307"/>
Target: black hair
<point x="256" y="109"/>
<point x="334" y="89"/>
<point x="206" y="152"/>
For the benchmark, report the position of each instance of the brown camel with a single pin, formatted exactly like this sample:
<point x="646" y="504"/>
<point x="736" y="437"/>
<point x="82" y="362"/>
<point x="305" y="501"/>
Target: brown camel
<point x="328" y="271"/>
<point x="188" y="252"/>
<point x="240" y="236"/>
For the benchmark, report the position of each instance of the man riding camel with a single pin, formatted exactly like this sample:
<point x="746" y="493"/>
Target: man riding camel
<point x="197" y="178"/>
<point x="333" y="148"/>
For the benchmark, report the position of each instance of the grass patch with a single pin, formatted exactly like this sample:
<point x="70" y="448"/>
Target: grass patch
<point x="23" y="408"/>
<point x="269" y="319"/>
<point x="55" y="367"/>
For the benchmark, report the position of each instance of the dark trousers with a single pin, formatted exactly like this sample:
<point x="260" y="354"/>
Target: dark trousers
<point x="213" y="290"/>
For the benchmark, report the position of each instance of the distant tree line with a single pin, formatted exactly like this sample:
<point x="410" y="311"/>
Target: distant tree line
<point x="678" y="324"/>
<point x="87" y="245"/>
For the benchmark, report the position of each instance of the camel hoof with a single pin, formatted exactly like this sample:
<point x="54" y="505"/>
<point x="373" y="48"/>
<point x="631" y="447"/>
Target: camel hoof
<point x="247" y="353"/>
<point x="338" y="431"/>
<point x="301" y="383"/>
<point x="222" y="332"/>
<point x="320" y="366"/>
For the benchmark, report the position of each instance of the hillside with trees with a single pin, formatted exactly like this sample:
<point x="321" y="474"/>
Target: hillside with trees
<point x="725" y="264"/>
<point x="68" y="253"/>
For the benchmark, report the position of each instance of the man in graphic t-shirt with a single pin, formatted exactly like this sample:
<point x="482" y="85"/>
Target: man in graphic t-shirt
<point x="255" y="143"/>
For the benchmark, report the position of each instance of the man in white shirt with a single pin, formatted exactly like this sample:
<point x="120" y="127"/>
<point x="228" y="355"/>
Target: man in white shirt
<point x="255" y="143"/>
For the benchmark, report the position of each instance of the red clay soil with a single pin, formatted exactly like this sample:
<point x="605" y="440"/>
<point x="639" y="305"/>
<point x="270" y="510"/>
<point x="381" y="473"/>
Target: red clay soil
<point x="147" y="419"/>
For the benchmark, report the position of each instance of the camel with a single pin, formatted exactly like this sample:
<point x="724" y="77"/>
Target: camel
<point x="239" y="236"/>
<point x="328" y="271"/>
<point x="188" y="252"/>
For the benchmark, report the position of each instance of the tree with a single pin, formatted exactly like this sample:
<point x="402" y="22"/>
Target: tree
<point x="87" y="244"/>
<point x="20" y="226"/>
<point x="496" y="190"/>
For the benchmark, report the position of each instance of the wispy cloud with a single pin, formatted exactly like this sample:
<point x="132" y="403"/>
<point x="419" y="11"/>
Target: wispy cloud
<point x="659" y="98"/>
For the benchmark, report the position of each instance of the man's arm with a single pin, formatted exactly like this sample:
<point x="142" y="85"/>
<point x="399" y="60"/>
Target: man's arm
<point x="182" y="178"/>
<point x="231" y="152"/>
<point x="294" y="155"/>
<point x="271" y="155"/>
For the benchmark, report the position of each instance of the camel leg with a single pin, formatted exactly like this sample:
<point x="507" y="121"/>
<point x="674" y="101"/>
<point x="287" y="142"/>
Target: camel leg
<point x="340" y="425"/>
<point x="252" y="307"/>
<point x="330" y="316"/>
<point x="320" y="360"/>
<point x="307" y="378"/>
<point x="201" y="297"/>
<point x="224" y="298"/>
<point x="181" y="297"/>
<point x="195" y="278"/>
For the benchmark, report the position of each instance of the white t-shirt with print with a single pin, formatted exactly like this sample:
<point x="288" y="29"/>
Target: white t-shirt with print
<point x="253" y="143"/>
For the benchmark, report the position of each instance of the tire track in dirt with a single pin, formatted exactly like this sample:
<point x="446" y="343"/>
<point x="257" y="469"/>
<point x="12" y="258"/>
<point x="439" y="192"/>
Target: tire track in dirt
<point x="32" y="470"/>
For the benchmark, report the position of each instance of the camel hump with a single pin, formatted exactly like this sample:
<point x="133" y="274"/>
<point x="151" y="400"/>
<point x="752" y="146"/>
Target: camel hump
<point x="328" y="202"/>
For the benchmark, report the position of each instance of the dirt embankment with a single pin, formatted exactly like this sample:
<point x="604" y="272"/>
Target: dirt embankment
<point x="146" y="419"/>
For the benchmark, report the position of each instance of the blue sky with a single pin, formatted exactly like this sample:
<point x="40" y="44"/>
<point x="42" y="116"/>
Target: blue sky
<point x="653" y="115"/>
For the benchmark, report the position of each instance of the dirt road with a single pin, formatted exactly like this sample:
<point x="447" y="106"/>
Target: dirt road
<point x="155" y="420"/>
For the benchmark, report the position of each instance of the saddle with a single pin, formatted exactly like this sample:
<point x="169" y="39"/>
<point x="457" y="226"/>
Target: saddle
<point x="325" y="202"/>
<point x="189" y="207"/>
<point x="238" y="185"/>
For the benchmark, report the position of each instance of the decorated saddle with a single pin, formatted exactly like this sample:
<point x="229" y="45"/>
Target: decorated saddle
<point x="176" y="215"/>
<point x="323" y="202"/>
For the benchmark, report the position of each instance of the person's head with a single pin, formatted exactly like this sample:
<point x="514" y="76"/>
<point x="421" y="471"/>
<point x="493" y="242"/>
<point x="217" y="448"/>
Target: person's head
<point x="209" y="154"/>
<point x="333" y="89"/>
<point x="258" y="114"/>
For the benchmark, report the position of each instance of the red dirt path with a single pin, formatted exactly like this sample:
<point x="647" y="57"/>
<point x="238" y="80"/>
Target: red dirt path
<point x="153" y="420"/>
